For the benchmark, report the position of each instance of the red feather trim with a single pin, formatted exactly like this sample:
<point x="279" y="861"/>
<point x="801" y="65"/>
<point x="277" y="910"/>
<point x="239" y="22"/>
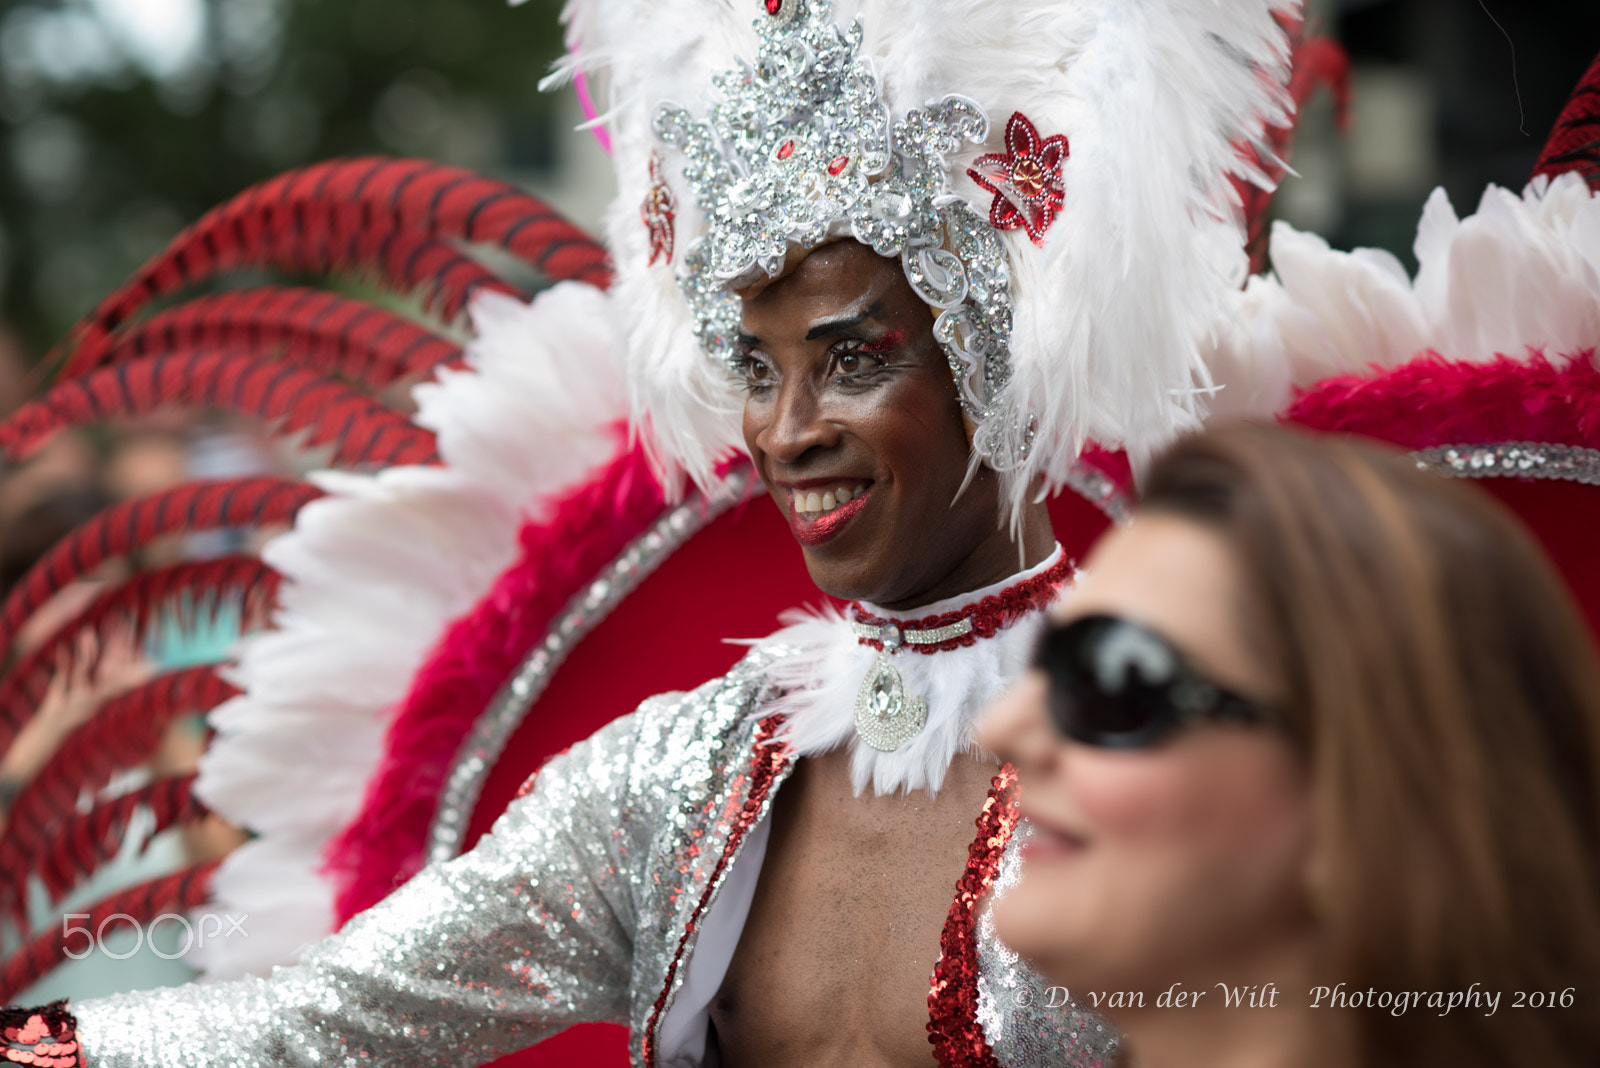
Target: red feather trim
<point x="325" y="332"/>
<point x="384" y="845"/>
<point x="1431" y="401"/>
<point x="83" y="842"/>
<point x="179" y="892"/>
<point x="363" y="212"/>
<point x="123" y="734"/>
<point x="1315" y="62"/>
<point x="181" y="588"/>
<point x="1574" y="143"/>
<point x="127" y="527"/>
<point x="360" y="429"/>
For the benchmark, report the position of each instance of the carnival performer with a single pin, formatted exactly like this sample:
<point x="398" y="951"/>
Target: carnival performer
<point x="863" y="223"/>
<point x="1311" y="756"/>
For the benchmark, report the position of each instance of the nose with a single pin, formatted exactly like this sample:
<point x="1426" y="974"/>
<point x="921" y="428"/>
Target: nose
<point x="795" y="424"/>
<point x="1016" y="726"/>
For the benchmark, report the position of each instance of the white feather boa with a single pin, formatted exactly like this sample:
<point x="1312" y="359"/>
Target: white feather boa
<point x="1521" y="272"/>
<point x="821" y="676"/>
<point x="374" y="573"/>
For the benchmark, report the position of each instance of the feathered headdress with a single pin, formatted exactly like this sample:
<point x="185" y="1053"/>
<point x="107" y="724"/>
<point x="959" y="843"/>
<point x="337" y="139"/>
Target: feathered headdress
<point x="1056" y="177"/>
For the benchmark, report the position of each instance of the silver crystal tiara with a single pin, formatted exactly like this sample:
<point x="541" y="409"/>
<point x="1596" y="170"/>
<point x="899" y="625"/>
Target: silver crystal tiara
<point x="800" y="148"/>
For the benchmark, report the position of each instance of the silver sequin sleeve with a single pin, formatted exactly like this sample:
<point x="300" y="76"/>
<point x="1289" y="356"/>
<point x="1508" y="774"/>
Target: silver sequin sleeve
<point x="488" y="953"/>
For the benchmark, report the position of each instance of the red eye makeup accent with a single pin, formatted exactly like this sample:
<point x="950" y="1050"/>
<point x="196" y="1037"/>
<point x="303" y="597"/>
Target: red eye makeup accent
<point x="892" y="340"/>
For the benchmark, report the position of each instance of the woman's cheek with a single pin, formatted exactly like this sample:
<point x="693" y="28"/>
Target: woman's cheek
<point x="1132" y="796"/>
<point x="1228" y="790"/>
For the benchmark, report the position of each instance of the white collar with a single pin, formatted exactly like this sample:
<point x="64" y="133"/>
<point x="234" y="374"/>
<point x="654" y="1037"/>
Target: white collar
<point x="821" y="680"/>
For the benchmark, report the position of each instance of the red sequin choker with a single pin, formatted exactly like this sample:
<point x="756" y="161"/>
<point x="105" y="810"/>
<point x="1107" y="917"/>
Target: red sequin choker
<point x="887" y="717"/>
<point x="964" y="625"/>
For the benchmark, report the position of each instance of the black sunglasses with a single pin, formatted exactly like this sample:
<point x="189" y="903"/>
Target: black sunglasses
<point x="1119" y="685"/>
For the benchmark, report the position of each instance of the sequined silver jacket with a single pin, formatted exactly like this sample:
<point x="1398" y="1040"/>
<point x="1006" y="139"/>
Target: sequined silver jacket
<point x="581" y="905"/>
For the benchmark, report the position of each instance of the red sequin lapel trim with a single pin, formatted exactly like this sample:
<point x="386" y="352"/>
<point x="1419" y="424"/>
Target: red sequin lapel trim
<point x="953" y="1028"/>
<point x="988" y="617"/>
<point x="767" y="762"/>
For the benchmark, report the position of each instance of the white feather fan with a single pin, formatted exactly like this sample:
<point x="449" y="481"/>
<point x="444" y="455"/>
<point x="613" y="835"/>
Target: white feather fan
<point x="1521" y="272"/>
<point x="374" y="572"/>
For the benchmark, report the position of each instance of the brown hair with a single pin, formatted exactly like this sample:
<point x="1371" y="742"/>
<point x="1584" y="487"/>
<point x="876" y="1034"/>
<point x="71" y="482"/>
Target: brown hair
<point x="1443" y="690"/>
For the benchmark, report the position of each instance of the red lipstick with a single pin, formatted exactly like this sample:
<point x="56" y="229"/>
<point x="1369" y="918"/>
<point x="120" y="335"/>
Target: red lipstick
<point x="827" y="526"/>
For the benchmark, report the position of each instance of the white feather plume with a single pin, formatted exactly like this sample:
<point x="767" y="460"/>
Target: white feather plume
<point x="640" y="53"/>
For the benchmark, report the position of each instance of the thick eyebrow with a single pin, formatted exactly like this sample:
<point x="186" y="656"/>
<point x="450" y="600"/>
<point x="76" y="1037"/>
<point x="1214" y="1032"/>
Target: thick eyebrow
<point x="828" y="327"/>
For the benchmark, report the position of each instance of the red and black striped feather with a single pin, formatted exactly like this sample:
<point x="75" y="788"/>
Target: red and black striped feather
<point x="85" y="840"/>
<point x="360" y="429"/>
<point x="1315" y="62"/>
<point x="328" y="333"/>
<point x="180" y="892"/>
<point x="179" y="589"/>
<point x="393" y="216"/>
<point x="125" y="528"/>
<point x="404" y="261"/>
<point x="124" y="733"/>
<point x="1574" y="143"/>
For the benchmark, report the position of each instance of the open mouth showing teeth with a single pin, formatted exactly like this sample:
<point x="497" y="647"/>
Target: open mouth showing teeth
<point x="811" y="504"/>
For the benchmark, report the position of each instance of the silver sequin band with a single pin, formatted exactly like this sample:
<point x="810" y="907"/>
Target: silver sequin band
<point x="1100" y="490"/>
<point x="1513" y="459"/>
<point x="891" y="635"/>
<point x="494" y="728"/>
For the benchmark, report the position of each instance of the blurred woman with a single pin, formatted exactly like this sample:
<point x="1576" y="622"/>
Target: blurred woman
<point x="1312" y="760"/>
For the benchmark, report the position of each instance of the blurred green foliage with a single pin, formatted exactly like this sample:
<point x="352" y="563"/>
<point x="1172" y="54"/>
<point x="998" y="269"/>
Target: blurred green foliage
<point x="109" y="143"/>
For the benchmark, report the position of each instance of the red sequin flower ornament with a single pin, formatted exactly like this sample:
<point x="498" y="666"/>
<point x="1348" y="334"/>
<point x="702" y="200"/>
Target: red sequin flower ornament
<point x="658" y="212"/>
<point x="1025" y="179"/>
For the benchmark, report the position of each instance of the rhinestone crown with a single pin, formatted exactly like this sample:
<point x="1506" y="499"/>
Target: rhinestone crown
<point x="800" y="148"/>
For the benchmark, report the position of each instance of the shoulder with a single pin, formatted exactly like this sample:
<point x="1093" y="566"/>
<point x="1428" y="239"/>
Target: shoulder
<point x="672" y="728"/>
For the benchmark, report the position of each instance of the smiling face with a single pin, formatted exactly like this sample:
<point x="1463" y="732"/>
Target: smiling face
<point x="852" y="420"/>
<point x="1185" y="861"/>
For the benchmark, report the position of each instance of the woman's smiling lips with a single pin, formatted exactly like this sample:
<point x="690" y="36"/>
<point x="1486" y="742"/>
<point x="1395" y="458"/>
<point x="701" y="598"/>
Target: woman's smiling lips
<point x="1051" y="843"/>
<point x="820" y="508"/>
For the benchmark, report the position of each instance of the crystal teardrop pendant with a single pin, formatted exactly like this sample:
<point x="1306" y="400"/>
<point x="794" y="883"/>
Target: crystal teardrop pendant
<point x="886" y="716"/>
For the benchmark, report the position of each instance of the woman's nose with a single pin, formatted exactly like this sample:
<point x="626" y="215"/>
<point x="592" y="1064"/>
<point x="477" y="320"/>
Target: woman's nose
<point x="1016" y="726"/>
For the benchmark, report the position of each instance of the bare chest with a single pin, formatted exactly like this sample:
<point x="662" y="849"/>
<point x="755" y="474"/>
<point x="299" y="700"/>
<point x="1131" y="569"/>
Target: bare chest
<point x="834" y="962"/>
